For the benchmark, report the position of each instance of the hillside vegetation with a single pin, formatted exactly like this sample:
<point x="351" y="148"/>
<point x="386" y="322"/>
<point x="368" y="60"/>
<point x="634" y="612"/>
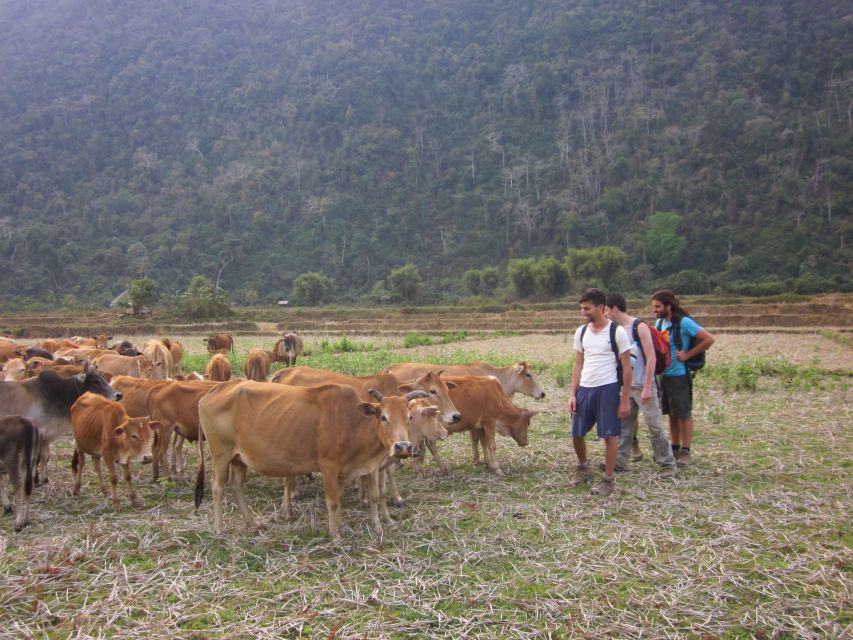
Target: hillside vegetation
<point x="251" y="143"/>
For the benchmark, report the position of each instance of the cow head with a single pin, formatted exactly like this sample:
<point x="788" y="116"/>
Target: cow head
<point x="131" y="439"/>
<point x="392" y="423"/>
<point x="525" y="382"/>
<point x="515" y="425"/>
<point x="93" y="381"/>
<point x="15" y="369"/>
<point x="101" y="340"/>
<point x="425" y="423"/>
<point x="438" y="391"/>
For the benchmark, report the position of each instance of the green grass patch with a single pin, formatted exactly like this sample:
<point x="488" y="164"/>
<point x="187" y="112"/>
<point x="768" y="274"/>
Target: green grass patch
<point x="416" y="340"/>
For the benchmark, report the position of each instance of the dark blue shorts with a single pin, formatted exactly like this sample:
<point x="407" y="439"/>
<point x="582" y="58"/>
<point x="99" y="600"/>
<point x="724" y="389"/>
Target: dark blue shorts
<point x="598" y="406"/>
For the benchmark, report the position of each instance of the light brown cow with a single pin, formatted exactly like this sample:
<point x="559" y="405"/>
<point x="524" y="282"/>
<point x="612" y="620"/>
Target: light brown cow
<point x="117" y="365"/>
<point x="283" y="431"/>
<point x="220" y="343"/>
<point x="20" y="444"/>
<point x="486" y="409"/>
<point x="257" y="365"/>
<point x="218" y="369"/>
<point x="160" y="357"/>
<point x="433" y="384"/>
<point x="177" y="351"/>
<point x="175" y="406"/>
<point x="102" y="429"/>
<point x="15" y="369"/>
<point x="425" y="425"/>
<point x="516" y="378"/>
<point x="99" y="341"/>
<point x="134" y="393"/>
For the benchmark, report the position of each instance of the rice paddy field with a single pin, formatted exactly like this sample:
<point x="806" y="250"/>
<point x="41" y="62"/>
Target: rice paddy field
<point x="754" y="540"/>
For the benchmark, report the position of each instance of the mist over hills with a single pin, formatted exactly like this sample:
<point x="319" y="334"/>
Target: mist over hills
<point x="258" y="141"/>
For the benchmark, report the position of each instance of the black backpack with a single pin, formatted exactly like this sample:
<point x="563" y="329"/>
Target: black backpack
<point x="695" y="363"/>
<point x="613" y="346"/>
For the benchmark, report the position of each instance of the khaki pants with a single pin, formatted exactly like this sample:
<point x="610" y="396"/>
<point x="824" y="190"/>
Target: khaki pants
<point x="657" y="431"/>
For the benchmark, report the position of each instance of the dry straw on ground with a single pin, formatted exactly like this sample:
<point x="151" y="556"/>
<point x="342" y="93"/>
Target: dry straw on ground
<point x="753" y="541"/>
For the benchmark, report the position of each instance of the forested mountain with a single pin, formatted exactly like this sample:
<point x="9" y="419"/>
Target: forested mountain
<point x="255" y="141"/>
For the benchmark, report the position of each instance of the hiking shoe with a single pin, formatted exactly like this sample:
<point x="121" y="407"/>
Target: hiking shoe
<point x="619" y="468"/>
<point x="583" y="474"/>
<point x="667" y="472"/>
<point x="603" y="488"/>
<point x="683" y="459"/>
<point x="636" y="454"/>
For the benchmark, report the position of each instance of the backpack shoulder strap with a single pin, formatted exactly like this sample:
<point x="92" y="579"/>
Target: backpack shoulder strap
<point x="583" y="333"/>
<point x="676" y="333"/>
<point x="613" y="345"/>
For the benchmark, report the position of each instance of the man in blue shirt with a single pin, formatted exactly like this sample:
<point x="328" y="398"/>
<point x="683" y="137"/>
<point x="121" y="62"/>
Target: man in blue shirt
<point x="676" y="382"/>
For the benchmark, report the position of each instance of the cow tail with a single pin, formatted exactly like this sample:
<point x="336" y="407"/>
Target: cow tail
<point x="199" y="481"/>
<point x="30" y="451"/>
<point x="75" y="460"/>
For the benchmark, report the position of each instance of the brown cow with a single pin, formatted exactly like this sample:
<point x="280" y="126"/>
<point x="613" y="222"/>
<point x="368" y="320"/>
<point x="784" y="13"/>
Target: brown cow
<point x="116" y="365"/>
<point x="175" y="406"/>
<point x="283" y="431"/>
<point x="486" y="409"/>
<point x="433" y="384"/>
<point x="220" y="343"/>
<point x="46" y="401"/>
<point x="218" y="369"/>
<point x="20" y="442"/>
<point x="160" y="357"/>
<point x="288" y="348"/>
<point x="9" y="350"/>
<point x="257" y="365"/>
<point x="103" y="429"/>
<point x="99" y="341"/>
<point x="177" y="351"/>
<point x="516" y="378"/>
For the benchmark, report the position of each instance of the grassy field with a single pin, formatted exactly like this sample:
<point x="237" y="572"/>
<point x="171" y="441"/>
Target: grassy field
<point x="753" y="541"/>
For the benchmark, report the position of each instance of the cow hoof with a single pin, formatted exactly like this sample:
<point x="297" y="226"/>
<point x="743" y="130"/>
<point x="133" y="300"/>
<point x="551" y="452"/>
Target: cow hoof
<point x="399" y="503"/>
<point x="21" y="528"/>
<point x="7" y="509"/>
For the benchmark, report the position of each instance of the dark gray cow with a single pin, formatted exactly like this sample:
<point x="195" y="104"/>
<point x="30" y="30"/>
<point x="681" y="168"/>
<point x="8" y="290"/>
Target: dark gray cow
<point x="46" y="401"/>
<point x="20" y="442"/>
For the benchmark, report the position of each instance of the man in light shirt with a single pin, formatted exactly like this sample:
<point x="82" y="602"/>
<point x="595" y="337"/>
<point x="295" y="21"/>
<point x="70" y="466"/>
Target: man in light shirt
<point x="601" y="346"/>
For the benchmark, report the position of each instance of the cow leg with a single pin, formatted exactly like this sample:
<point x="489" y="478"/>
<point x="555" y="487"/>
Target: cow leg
<point x="159" y="451"/>
<point x="4" y="499"/>
<point x="474" y="434"/>
<point x="332" y="488"/>
<point x="396" y="498"/>
<point x="178" y="454"/>
<point x="287" y="501"/>
<point x="381" y="489"/>
<point x="131" y="492"/>
<point x="221" y="465"/>
<point x="434" y="451"/>
<point x="375" y="499"/>
<point x="239" y="485"/>
<point x="488" y="439"/>
<point x="97" y="462"/>
<point x="22" y="506"/>
<point x="111" y="469"/>
<point x="44" y="458"/>
<point x="80" y="459"/>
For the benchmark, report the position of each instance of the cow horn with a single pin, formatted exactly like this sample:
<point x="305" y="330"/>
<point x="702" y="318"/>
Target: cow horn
<point x="373" y="393"/>
<point x="417" y="393"/>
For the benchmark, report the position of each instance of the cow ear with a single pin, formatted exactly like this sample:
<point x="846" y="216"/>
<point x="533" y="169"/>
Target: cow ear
<point x="369" y="409"/>
<point x="414" y="395"/>
<point x="451" y="385"/>
<point x="429" y="412"/>
<point x="81" y="377"/>
<point x="405" y="388"/>
<point x="519" y="368"/>
<point x="119" y="430"/>
<point x="155" y="426"/>
<point x="530" y="414"/>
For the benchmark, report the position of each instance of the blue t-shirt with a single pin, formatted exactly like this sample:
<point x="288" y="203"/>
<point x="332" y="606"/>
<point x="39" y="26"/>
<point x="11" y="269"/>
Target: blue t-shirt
<point x="689" y="329"/>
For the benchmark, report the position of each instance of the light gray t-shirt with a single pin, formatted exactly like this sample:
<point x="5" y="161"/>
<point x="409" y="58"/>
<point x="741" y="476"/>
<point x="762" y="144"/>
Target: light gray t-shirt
<point x="599" y="361"/>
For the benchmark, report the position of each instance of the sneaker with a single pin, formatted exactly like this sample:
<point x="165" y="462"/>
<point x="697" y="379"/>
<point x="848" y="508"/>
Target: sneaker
<point x="636" y="454"/>
<point x="603" y="488"/>
<point x="619" y="468"/>
<point x="667" y="472"/>
<point x="683" y="459"/>
<point x="583" y="474"/>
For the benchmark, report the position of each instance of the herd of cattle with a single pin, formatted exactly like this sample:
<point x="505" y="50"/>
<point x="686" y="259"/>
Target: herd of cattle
<point x="122" y="404"/>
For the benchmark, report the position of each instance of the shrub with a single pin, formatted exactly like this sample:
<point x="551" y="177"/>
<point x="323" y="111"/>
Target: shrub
<point x="416" y="340"/>
<point x="203" y="301"/>
<point x="312" y="288"/>
<point x="688" y="282"/>
<point x="521" y="276"/>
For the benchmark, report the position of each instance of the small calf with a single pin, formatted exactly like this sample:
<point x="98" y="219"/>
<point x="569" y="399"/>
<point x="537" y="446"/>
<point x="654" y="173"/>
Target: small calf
<point x="103" y="429"/>
<point x="20" y="442"/>
<point x="218" y="369"/>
